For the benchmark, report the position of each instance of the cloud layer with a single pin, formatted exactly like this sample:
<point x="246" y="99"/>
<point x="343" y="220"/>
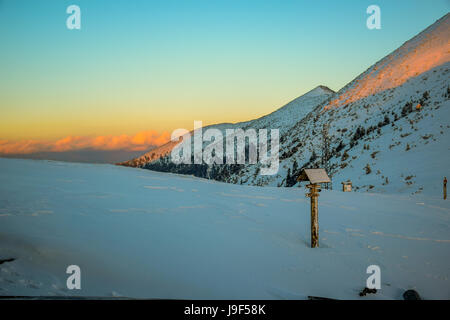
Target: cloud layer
<point x="139" y="142"/>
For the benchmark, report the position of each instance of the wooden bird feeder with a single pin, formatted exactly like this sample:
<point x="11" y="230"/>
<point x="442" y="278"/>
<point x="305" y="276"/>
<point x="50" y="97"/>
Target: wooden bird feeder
<point x="315" y="177"/>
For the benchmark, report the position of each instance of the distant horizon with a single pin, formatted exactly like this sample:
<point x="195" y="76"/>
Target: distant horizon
<point x="92" y="156"/>
<point x="131" y="106"/>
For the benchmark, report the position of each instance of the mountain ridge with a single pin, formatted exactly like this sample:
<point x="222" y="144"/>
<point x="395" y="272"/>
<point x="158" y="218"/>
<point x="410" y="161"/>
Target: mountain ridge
<point x="293" y="107"/>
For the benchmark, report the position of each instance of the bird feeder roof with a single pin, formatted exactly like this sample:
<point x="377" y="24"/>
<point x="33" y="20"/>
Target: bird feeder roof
<point x="314" y="176"/>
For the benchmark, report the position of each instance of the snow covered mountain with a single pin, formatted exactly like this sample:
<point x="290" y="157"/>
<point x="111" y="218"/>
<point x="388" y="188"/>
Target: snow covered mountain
<point x="287" y="116"/>
<point x="283" y="119"/>
<point x="388" y="130"/>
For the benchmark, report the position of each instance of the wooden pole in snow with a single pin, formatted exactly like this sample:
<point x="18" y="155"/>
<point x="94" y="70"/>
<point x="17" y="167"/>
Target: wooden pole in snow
<point x="445" y="188"/>
<point x="315" y="177"/>
<point x="314" y="195"/>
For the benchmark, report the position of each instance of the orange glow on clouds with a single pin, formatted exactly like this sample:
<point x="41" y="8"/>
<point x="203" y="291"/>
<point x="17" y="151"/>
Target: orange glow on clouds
<point x="140" y="142"/>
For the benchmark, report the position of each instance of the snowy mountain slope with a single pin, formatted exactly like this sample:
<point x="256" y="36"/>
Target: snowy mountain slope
<point x="145" y="234"/>
<point x="398" y="124"/>
<point x="384" y="130"/>
<point x="429" y="49"/>
<point x="287" y="116"/>
<point x="409" y="154"/>
<point x="283" y="119"/>
<point x="164" y="150"/>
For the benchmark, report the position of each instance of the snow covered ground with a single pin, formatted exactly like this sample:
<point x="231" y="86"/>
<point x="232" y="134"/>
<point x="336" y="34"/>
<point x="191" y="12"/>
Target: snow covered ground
<point x="138" y="233"/>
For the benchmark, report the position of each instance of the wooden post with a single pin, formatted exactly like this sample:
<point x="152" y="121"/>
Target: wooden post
<point x="445" y="188"/>
<point x="314" y="195"/>
<point x="315" y="178"/>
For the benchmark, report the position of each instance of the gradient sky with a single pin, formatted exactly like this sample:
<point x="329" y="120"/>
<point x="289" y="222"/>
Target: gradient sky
<point x="159" y="65"/>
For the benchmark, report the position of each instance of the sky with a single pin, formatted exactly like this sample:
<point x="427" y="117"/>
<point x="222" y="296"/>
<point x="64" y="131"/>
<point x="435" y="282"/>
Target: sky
<point x="137" y="70"/>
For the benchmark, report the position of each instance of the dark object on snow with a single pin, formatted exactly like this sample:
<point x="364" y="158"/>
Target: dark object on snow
<point x="6" y="260"/>
<point x="411" y="295"/>
<point x="366" y="291"/>
<point x="319" y="298"/>
<point x="445" y="188"/>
